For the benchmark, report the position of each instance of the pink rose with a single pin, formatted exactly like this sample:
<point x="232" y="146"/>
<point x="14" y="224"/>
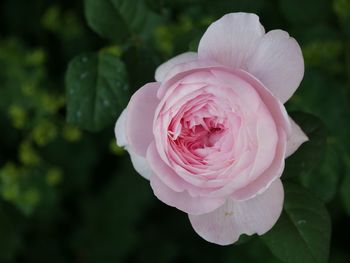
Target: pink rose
<point x="212" y="133"/>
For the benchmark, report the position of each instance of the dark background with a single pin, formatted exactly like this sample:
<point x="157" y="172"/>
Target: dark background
<point x="70" y="195"/>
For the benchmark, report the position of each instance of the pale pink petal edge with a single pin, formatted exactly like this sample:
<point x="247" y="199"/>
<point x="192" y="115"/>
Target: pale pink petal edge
<point x="278" y="63"/>
<point x="232" y="39"/>
<point x="183" y="200"/>
<point x="119" y="129"/>
<point x="296" y="138"/>
<point x="258" y="215"/>
<point x="139" y="119"/>
<point x="164" y="68"/>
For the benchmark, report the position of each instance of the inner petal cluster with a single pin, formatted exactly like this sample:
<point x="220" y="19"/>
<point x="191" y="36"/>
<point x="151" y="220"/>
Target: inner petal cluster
<point x="198" y="130"/>
<point x="210" y="127"/>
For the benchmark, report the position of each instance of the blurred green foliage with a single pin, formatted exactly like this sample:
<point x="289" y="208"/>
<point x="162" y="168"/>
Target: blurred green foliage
<point x="69" y="194"/>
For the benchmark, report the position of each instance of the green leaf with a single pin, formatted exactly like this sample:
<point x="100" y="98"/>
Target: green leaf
<point x="142" y="63"/>
<point x="315" y="164"/>
<point x="310" y="154"/>
<point x="119" y="19"/>
<point x="136" y="15"/>
<point x="302" y="234"/>
<point x="97" y="90"/>
<point x="251" y="252"/>
<point x="105" y="20"/>
<point x="323" y="181"/>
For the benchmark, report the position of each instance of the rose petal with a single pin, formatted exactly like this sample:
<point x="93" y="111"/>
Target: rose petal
<point x="280" y="116"/>
<point x="232" y="39"/>
<point x="163" y="171"/>
<point x="278" y="63"/>
<point x="140" y="164"/>
<point x="258" y="215"/>
<point x="276" y="108"/>
<point x="163" y="69"/>
<point x="266" y="127"/>
<point x="297" y="138"/>
<point x="119" y="129"/>
<point x="263" y="182"/>
<point x="182" y="200"/>
<point x="139" y="120"/>
<point x="168" y="176"/>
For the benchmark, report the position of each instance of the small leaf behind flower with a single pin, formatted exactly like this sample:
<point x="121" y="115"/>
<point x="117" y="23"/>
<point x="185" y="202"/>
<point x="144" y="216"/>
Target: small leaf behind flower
<point x="105" y="20"/>
<point x="118" y="20"/>
<point x="310" y="153"/>
<point x="302" y="234"/>
<point x="97" y="90"/>
<point x="315" y="164"/>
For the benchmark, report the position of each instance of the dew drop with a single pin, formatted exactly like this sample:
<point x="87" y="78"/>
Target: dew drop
<point x="83" y="75"/>
<point x="301" y="222"/>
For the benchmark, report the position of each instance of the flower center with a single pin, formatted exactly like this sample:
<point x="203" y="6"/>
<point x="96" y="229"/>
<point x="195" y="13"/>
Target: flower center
<point x="194" y="136"/>
<point x="200" y="131"/>
<point x="202" y="135"/>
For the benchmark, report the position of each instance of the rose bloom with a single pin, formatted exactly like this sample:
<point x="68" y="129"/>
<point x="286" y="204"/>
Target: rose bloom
<point x="212" y="134"/>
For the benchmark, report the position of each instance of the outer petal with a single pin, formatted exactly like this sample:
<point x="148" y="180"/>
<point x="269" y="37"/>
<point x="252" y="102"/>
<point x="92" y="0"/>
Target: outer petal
<point x="119" y="129"/>
<point x="263" y="182"/>
<point x="278" y="62"/>
<point x="224" y="225"/>
<point x="139" y="120"/>
<point x="297" y="138"/>
<point x="178" y="72"/>
<point x="168" y="176"/>
<point x="163" y="69"/>
<point x="278" y="112"/>
<point x="232" y="39"/>
<point x="163" y="171"/>
<point x="182" y="200"/>
<point x="140" y="164"/>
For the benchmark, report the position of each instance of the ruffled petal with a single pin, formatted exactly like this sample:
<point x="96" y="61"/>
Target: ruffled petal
<point x="163" y="69"/>
<point x="163" y="171"/>
<point x="183" y="200"/>
<point x="278" y="63"/>
<point x="264" y="181"/>
<point x="297" y="138"/>
<point x="178" y="72"/>
<point x="139" y="120"/>
<point x="280" y="116"/>
<point x="119" y="129"/>
<point x="140" y="164"/>
<point x="224" y="225"/>
<point x="232" y="39"/>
